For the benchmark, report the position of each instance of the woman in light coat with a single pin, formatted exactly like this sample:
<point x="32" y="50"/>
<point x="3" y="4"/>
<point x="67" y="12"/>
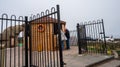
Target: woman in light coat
<point x="63" y="38"/>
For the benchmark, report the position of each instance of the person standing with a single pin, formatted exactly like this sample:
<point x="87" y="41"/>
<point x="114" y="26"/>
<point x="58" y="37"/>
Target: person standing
<point x="67" y="34"/>
<point x="63" y="38"/>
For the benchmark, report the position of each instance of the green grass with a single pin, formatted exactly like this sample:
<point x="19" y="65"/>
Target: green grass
<point x="98" y="47"/>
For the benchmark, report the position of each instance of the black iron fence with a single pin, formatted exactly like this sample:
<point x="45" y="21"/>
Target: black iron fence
<point x="91" y="37"/>
<point x="12" y="51"/>
<point x="31" y="41"/>
<point x="45" y="39"/>
<point x="73" y="38"/>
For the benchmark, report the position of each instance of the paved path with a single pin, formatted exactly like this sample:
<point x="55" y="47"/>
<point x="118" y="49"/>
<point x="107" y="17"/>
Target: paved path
<point x="72" y="58"/>
<point x="112" y="63"/>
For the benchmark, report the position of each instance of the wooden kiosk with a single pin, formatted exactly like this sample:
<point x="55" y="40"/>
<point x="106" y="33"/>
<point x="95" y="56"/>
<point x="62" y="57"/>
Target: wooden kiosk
<point x="43" y="36"/>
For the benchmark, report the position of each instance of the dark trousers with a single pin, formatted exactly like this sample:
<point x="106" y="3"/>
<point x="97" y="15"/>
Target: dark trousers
<point x="67" y="44"/>
<point x="62" y="44"/>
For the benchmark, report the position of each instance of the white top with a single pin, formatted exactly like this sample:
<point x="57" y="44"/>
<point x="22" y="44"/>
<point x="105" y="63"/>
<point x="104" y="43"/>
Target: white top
<point x="63" y="37"/>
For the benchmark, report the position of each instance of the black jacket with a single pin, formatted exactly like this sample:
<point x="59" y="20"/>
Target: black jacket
<point x="67" y="33"/>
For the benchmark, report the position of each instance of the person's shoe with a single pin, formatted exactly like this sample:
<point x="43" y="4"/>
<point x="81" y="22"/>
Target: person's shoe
<point x="64" y="63"/>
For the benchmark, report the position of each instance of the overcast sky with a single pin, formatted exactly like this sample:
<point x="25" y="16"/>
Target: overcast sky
<point x="72" y="11"/>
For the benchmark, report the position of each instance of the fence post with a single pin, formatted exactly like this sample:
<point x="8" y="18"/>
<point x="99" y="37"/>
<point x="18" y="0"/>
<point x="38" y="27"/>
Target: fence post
<point x="105" y="49"/>
<point x="59" y="37"/>
<point x="26" y="41"/>
<point x="78" y="35"/>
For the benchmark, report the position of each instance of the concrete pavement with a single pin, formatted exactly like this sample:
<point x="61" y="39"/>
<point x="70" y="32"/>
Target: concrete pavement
<point x="73" y="59"/>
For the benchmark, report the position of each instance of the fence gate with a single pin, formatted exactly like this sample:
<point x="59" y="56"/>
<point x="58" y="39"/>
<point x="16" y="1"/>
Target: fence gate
<point x="44" y="39"/>
<point x="31" y="41"/>
<point x="91" y="37"/>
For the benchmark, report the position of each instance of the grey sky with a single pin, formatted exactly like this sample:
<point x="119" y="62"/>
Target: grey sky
<point x="72" y="11"/>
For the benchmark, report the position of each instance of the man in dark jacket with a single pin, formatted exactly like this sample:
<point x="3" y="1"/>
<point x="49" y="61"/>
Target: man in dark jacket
<point x="67" y="33"/>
